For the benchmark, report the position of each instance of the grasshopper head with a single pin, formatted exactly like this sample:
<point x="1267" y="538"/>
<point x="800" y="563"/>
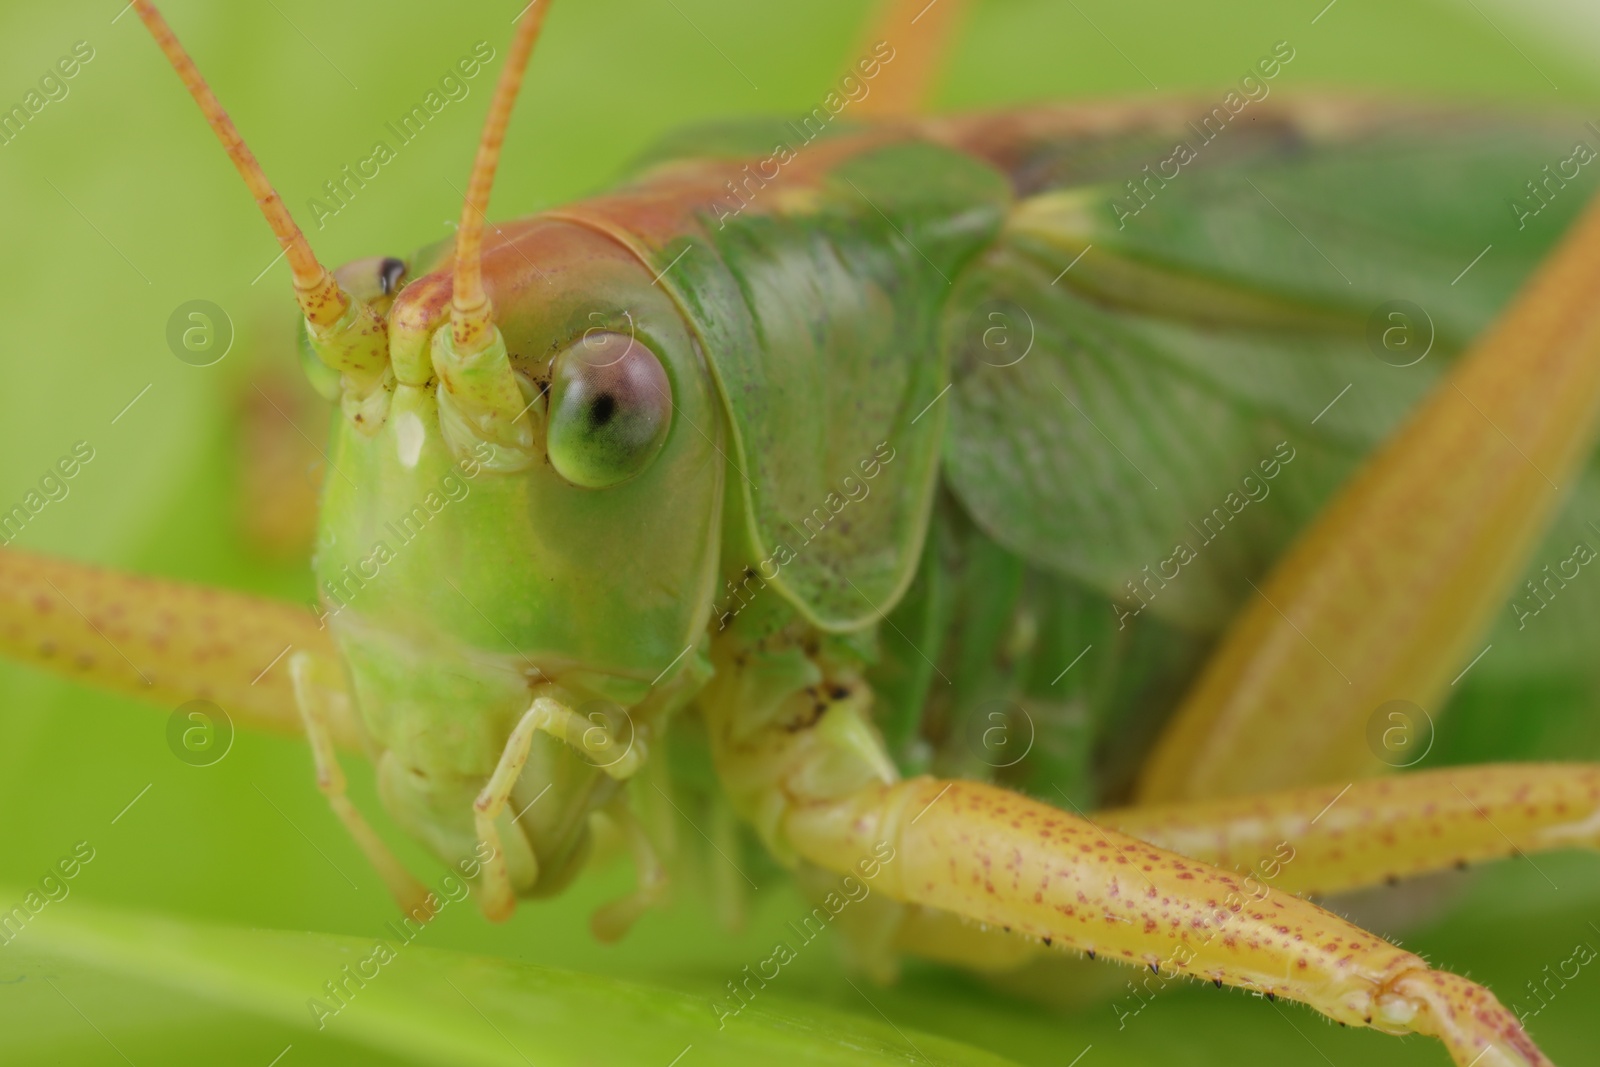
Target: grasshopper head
<point x="471" y="556"/>
<point x="521" y="503"/>
<point x="521" y="512"/>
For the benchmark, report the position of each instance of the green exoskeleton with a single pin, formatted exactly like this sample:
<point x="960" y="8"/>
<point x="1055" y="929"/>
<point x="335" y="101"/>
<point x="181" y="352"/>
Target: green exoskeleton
<point x="833" y="447"/>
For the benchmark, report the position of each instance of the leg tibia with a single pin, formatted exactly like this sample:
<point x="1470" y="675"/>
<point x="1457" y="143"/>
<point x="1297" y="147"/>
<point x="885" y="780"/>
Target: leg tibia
<point x="405" y="889"/>
<point x="1331" y="839"/>
<point x="999" y="858"/>
<point x="499" y="896"/>
<point x="615" y="918"/>
<point x="549" y="715"/>
<point x="1460" y="1014"/>
<point x="590" y="736"/>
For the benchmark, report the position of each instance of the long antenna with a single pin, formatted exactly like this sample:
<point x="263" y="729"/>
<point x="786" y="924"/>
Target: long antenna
<point x="471" y="317"/>
<point x="315" y="289"/>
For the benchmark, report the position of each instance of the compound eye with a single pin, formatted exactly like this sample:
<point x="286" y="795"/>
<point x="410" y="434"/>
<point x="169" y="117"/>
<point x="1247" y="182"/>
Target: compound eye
<point x="373" y="280"/>
<point x="610" y="408"/>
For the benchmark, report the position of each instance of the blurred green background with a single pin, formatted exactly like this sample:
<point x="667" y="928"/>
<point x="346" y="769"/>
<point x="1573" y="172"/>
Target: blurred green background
<point x="119" y="207"/>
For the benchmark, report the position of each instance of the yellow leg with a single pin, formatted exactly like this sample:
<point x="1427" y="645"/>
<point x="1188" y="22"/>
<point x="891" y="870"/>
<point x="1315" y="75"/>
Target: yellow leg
<point x="611" y="921"/>
<point x="167" y="642"/>
<point x="996" y="857"/>
<point x="1335" y="838"/>
<point x="1386" y="594"/>
<point x="1329" y="839"/>
<point x="405" y="889"/>
<point x="620" y="759"/>
<point x="498" y="899"/>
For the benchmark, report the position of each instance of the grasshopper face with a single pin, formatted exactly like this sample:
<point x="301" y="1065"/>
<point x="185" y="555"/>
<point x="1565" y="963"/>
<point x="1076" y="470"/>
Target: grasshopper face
<point x="458" y="574"/>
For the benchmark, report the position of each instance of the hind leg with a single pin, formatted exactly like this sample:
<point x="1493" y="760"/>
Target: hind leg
<point x="1330" y="839"/>
<point x="1335" y="838"/>
<point x="995" y="857"/>
<point x="819" y="790"/>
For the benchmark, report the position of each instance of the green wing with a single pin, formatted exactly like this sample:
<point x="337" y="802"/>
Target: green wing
<point x="1204" y="377"/>
<point x="1200" y="382"/>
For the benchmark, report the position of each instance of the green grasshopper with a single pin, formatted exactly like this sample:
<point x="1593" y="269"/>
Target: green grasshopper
<point x="828" y="449"/>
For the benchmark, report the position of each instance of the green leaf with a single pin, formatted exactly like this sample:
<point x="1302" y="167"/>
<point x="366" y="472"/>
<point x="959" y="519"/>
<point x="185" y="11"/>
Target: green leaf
<point x="428" y="1006"/>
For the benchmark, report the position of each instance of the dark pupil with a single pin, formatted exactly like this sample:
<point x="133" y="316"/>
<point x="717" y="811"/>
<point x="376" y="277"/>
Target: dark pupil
<point x="604" y="407"/>
<point x="390" y="271"/>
